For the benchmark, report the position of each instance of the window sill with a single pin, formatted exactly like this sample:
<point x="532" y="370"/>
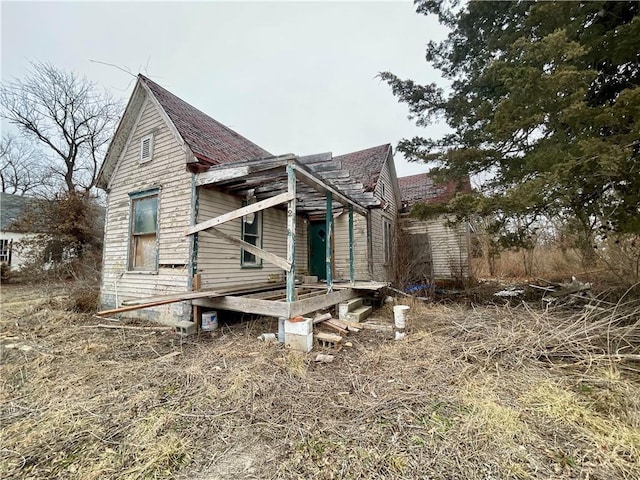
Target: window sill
<point x="251" y="267"/>
<point x="141" y="272"/>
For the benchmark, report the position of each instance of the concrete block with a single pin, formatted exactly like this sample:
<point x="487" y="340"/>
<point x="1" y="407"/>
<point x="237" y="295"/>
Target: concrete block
<point x="300" y="343"/>
<point x="305" y="327"/>
<point x="359" y="314"/>
<point x="345" y="307"/>
<point x="310" y="279"/>
<point x="185" y="328"/>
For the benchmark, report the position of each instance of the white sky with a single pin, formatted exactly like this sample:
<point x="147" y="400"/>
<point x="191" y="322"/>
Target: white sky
<point x="295" y="77"/>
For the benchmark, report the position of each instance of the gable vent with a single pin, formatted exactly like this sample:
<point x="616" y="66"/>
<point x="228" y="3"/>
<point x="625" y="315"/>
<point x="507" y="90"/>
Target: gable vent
<point x="146" y="148"/>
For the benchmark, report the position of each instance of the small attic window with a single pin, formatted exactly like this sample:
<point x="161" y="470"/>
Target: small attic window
<point x="146" y="149"/>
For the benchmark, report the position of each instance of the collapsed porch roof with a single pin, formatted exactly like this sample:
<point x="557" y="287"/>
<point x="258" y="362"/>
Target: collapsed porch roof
<point x="317" y="175"/>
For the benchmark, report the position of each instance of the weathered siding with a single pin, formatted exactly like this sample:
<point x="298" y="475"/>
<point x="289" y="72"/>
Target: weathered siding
<point x="449" y="246"/>
<point x="20" y="249"/>
<point x="219" y="262"/>
<point x="360" y="247"/>
<point x="166" y="171"/>
<point x="383" y="271"/>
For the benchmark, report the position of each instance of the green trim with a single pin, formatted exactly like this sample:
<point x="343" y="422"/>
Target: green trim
<point x="259" y="261"/>
<point x="138" y="196"/>
<point x="195" y="207"/>
<point x="352" y="272"/>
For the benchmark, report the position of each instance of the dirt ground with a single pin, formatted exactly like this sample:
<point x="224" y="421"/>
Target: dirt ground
<point x="486" y="392"/>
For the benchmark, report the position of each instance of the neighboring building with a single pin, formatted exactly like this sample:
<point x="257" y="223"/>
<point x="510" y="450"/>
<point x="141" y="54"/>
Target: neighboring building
<point x="434" y="249"/>
<point x="192" y="204"/>
<point x="11" y="208"/>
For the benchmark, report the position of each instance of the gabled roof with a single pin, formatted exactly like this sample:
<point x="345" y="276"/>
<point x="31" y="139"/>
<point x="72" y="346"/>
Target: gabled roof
<point x="208" y="139"/>
<point x="11" y="207"/>
<point x="365" y="165"/>
<point x="421" y="188"/>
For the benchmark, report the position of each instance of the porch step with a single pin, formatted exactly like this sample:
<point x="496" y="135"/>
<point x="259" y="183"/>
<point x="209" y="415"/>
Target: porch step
<point x="359" y="314"/>
<point x="349" y="306"/>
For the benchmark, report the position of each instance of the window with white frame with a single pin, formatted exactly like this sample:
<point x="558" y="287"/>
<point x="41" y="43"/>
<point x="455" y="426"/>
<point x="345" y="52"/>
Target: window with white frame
<point x="387" y="240"/>
<point x="251" y="233"/>
<point x="143" y="241"/>
<point x="5" y="251"/>
<point x="146" y="149"/>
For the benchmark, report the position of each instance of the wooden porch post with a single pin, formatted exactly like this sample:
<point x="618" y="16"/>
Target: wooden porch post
<point x="352" y="273"/>
<point x="328" y="238"/>
<point x="291" y="233"/>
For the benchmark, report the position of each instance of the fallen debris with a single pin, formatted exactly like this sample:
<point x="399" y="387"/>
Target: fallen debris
<point x="328" y="339"/>
<point x="323" y="358"/>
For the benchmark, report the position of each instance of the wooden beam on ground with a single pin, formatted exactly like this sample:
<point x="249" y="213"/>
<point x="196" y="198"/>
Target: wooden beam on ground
<point x="257" y="251"/>
<point x="241" y="212"/>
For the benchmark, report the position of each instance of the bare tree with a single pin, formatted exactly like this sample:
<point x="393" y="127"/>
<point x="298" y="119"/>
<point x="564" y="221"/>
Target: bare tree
<point x="21" y="168"/>
<point x="67" y="114"/>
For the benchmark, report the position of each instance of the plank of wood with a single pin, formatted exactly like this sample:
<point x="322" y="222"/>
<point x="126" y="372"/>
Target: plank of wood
<point x="376" y="326"/>
<point x="168" y="356"/>
<point x="322" y="318"/>
<point x="130" y="308"/>
<point x="305" y="176"/>
<point x="127" y="327"/>
<point x="241" y="212"/>
<point x="237" y="290"/>
<point x="328" y="337"/>
<point x="333" y="326"/>
<point x="259" y="252"/>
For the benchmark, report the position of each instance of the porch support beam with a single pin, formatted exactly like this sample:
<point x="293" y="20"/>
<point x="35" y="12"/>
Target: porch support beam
<point x="291" y="232"/>
<point x="241" y="212"/>
<point x="258" y="252"/>
<point x="223" y="173"/>
<point x="328" y="241"/>
<point x="352" y="272"/>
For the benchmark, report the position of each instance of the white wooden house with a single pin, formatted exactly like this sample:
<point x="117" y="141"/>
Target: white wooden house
<point x="436" y="248"/>
<point x="192" y="205"/>
<point x="12" y="247"/>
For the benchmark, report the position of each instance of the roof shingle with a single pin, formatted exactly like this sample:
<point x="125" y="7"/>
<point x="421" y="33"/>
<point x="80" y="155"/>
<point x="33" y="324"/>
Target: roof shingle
<point x="421" y="188"/>
<point x="365" y="165"/>
<point x="208" y="139"/>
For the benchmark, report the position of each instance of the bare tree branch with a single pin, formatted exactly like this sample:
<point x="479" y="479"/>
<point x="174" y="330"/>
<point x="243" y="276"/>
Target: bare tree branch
<point x="67" y="114"/>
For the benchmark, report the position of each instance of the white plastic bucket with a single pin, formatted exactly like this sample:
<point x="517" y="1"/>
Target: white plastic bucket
<point x="209" y="321"/>
<point x="400" y="313"/>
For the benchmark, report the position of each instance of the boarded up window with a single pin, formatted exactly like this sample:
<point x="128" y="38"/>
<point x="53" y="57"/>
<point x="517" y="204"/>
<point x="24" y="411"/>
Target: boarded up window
<point x="252" y="233"/>
<point x="144" y="233"/>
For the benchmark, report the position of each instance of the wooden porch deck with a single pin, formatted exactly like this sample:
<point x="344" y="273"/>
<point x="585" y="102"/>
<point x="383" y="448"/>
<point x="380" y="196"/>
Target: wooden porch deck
<point x="273" y="303"/>
<point x="269" y="299"/>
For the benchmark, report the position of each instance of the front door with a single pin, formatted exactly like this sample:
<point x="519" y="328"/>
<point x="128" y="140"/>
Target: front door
<point x="318" y="249"/>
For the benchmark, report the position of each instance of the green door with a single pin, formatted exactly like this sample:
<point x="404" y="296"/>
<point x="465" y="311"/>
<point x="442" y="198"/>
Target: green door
<point x="318" y="249"/>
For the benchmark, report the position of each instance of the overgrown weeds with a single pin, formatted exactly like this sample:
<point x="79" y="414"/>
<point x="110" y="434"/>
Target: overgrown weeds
<point x="491" y="392"/>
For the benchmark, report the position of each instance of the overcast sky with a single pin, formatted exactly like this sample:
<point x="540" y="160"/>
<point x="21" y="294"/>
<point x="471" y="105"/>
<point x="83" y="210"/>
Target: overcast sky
<point x="295" y="77"/>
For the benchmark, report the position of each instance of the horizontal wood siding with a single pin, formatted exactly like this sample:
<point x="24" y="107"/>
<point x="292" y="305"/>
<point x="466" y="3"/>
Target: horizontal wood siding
<point x="383" y="271"/>
<point x="449" y="246"/>
<point x="219" y="262"/>
<point x="166" y="171"/>
<point x="360" y="247"/>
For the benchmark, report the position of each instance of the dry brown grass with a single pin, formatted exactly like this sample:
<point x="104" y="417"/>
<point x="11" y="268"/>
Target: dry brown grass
<point x="492" y="392"/>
